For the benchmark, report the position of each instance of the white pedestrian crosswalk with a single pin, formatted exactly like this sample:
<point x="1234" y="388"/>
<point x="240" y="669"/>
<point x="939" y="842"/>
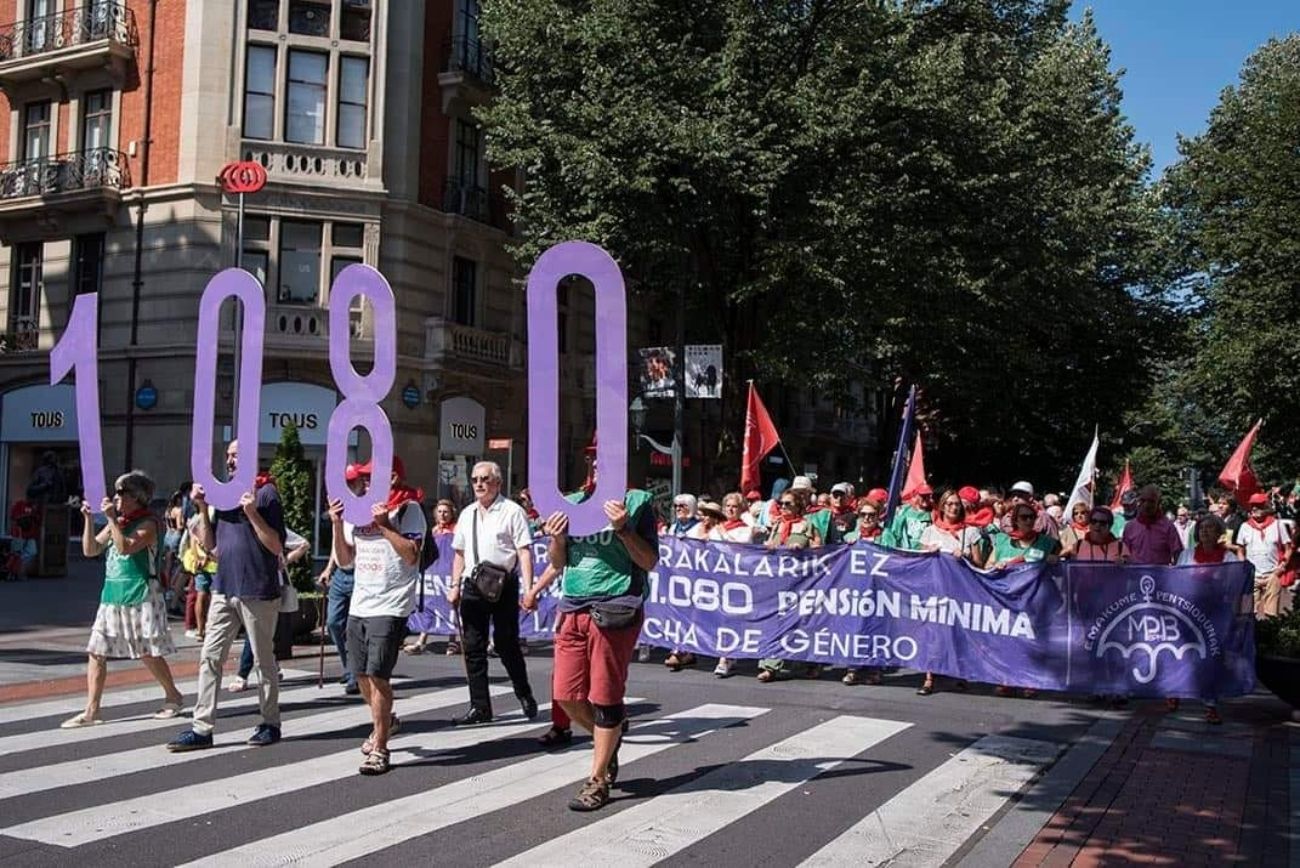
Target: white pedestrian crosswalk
<point x="724" y="768"/>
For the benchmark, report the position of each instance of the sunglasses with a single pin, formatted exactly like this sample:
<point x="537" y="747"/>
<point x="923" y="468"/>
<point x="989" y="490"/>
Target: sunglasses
<point x="787" y="504"/>
<point x="480" y="480"/>
<point x="869" y="514"/>
<point x="838" y="494"/>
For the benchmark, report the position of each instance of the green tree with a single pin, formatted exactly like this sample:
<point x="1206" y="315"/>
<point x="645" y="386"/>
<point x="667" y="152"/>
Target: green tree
<point x="1235" y="196"/>
<point x="942" y="193"/>
<point x="292" y="473"/>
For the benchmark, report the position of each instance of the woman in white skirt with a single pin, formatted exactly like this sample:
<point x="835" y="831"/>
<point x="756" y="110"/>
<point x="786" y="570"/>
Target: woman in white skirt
<point x="132" y="617"/>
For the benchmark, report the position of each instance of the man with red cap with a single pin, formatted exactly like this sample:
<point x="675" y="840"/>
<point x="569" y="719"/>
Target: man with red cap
<point x="1264" y="538"/>
<point x="385" y="555"/>
<point x="910" y="521"/>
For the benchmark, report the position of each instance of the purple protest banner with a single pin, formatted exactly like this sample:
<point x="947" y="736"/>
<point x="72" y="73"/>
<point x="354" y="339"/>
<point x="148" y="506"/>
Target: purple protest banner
<point x="239" y="284"/>
<point x="593" y="263"/>
<point x="78" y="351"/>
<point x="362" y="394"/>
<point x="1075" y="628"/>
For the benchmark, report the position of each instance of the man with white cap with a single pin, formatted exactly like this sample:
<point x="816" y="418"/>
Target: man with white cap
<point x="1264" y="538"/>
<point x="1023" y="492"/>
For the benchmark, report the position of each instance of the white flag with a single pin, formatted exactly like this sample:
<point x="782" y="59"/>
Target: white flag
<point x="1082" y="492"/>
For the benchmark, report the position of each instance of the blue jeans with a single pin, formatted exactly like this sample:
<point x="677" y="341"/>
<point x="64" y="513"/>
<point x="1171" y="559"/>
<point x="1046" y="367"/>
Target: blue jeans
<point x="336" y="615"/>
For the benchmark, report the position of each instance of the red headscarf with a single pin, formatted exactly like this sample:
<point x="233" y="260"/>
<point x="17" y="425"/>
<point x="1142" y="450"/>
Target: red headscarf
<point x="399" y="494"/>
<point x="982" y="517"/>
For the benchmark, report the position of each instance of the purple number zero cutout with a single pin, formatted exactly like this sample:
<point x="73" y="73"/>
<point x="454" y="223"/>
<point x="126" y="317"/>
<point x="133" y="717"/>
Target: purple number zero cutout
<point x="593" y="263"/>
<point x="243" y="286"/>
<point x="78" y="351"/>
<point x="360" y="407"/>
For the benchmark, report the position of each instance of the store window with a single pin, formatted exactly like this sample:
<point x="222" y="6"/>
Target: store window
<point x="354" y="75"/>
<point x="464" y="290"/>
<point x="259" y="93"/>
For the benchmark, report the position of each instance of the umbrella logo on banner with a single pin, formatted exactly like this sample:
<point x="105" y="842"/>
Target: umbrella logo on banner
<point x="1150" y="628"/>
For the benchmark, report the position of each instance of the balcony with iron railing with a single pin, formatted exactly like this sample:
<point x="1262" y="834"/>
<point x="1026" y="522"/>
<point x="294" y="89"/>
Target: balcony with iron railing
<point x="94" y="36"/>
<point x="467" y="75"/>
<point x="24" y="335"/>
<point x="472" y="201"/>
<point x="93" y="178"/>
<point x="448" y="342"/>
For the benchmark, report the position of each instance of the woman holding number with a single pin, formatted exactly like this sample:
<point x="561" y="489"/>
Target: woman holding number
<point x="132" y="617"/>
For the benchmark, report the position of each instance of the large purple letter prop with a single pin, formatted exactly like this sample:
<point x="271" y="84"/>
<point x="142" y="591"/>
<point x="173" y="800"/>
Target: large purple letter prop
<point x="78" y="351"/>
<point x="241" y="285"/>
<point x="593" y="263"/>
<point x="361" y="395"/>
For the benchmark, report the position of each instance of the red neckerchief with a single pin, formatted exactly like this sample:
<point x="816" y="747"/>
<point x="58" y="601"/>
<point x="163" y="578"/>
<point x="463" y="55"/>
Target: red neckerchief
<point x="1018" y="535"/>
<point x="263" y="478"/>
<point x="1214" y="556"/>
<point x="1262" y="526"/>
<point x="952" y="527"/>
<point x="774" y="510"/>
<point x="1079" y="528"/>
<point x="982" y="517"/>
<point x="532" y="514"/>
<point x="732" y="524"/>
<point x="399" y="494"/>
<point x="787" y="525"/>
<point x="864" y="534"/>
<point x="124" y="521"/>
<point x="439" y="529"/>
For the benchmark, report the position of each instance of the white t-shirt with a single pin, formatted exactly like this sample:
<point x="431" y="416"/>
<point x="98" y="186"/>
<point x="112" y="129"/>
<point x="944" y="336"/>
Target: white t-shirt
<point x="713" y="534"/>
<point x="385" y="584"/>
<point x="502" y="532"/>
<point x="1262" y="546"/>
<point x="1187" y="557"/>
<point x="953" y="544"/>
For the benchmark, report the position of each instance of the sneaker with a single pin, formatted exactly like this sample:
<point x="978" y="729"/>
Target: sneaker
<point x="237" y="685"/>
<point x="723" y="669"/>
<point x="643" y="653"/>
<point x="191" y="634"/>
<point x="189" y="740"/>
<point x="264" y="735"/>
<point x="351" y="689"/>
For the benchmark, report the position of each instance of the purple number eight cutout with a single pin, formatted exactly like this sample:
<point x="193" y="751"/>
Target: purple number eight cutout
<point x="78" y="350"/>
<point x="243" y="286"/>
<point x="590" y="261"/>
<point x="360" y="407"/>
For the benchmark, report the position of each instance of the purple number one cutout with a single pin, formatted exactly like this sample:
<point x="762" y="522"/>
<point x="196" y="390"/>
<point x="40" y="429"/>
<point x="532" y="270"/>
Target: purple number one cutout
<point x="361" y="395"/>
<point x="593" y="263"/>
<point x="78" y="351"/>
<point x="243" y="286"/>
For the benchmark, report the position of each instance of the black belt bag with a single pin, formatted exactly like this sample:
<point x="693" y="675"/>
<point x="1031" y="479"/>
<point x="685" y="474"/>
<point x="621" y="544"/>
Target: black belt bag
<point x="614" y="616"/>
<point x="487" y="580"/>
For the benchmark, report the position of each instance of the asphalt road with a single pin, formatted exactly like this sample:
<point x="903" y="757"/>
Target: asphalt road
<point x="717" y="772"/>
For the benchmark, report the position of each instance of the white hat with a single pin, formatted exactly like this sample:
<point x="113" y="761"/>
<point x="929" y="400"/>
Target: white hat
<point x="801" y="482"/>
<point x="1023" y="486"/>
<point x="842" y="488"/>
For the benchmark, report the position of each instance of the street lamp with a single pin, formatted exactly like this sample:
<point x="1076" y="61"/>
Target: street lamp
<point x="637" y="412"/>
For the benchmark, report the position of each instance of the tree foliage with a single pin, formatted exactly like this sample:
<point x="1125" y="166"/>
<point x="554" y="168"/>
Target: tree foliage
<point x="292" y="473"/>
<point x="1235" y="197"/>
<point x="942" y="192"/>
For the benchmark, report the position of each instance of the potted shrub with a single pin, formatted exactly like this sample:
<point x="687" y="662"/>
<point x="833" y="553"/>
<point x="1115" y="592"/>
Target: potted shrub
<point x="292" y="473"/>
<point x="1277" y="655"/>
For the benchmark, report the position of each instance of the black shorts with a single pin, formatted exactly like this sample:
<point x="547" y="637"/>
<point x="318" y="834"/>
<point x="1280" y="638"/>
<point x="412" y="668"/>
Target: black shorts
<point x="373" y="644"/>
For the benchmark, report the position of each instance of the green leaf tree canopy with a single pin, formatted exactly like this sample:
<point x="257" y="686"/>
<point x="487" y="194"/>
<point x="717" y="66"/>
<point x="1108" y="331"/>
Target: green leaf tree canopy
<point x="293" y="479"/>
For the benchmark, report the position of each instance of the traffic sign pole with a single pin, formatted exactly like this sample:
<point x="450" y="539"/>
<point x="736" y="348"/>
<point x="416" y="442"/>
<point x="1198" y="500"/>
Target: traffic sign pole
<point x="240" y="178"/>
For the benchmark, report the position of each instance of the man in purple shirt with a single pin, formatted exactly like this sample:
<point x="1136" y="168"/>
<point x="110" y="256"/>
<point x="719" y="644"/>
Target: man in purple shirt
<point x="246" y="589"/>
<point x="1151" y="539"/>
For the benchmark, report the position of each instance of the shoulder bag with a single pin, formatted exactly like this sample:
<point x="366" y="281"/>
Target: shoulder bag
<point x="487" y="580"/>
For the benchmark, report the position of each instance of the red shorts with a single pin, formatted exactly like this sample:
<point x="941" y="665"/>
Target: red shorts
<point x="591" y="663"/>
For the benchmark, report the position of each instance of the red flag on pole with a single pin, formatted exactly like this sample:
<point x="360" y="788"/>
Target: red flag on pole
<point x="1125" y="484"/>
<point x="760" y="439"/>
<point x="1237" y="474"/>
<point x="915" y="471"/>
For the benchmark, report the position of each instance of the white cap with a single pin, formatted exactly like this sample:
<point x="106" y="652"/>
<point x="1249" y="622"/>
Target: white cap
<point x="802" y="482"/>
<point x="1024" y="487"/>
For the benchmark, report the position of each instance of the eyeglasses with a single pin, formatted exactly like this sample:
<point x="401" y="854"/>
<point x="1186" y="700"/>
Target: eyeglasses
<point x="838" y="494"/>
<point x="480" y="480"/>
<point x="869" y="514"/>
<point x="787" y="504"/>
<point x="681" y="506"/>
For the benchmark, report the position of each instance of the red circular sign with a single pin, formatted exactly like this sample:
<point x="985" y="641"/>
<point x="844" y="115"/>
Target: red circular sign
<point x="247" y="176"/>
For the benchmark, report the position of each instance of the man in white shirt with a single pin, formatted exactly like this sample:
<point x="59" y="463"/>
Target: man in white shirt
<point x="1263" y="538"/>
<point x="492" y="530"/>
<point x="385" y="556"/>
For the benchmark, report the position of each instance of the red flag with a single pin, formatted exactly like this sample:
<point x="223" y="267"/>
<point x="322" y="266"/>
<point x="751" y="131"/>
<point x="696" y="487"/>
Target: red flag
<point x="1237" y="474"/>
<point x="915" y="471"/>
<point x="760" y="439"/>
<point x="1125" y="484"/>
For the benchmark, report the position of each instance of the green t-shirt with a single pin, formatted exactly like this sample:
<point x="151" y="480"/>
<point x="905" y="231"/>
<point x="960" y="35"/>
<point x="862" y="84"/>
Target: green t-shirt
<point x="126" y="577"/>
<point x="599" y="565"/>
<point x="1005" y="549"/>
<point x="821" y="519"/>
<point x="905" y="529"/>
<point x="1117" y="525"/>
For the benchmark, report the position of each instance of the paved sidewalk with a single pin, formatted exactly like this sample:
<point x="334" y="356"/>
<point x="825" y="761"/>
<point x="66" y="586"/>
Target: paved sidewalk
<point x="1172" y="790"/>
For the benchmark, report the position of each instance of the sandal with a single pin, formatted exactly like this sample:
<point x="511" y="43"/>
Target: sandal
<point x="555" y="736"/>
<point x="168" y="711"/>
<point x="925" y="689"/>
<point x="677" y="662"/>
<point x="394" y="727"/>
<point x="375" y="763"/>
<point x="593" y="796"/>
<point x="413" y="649"/>
<point x="851" y="678"/>
<point x="767" y="676"/>
<point x="79" y="720"/>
